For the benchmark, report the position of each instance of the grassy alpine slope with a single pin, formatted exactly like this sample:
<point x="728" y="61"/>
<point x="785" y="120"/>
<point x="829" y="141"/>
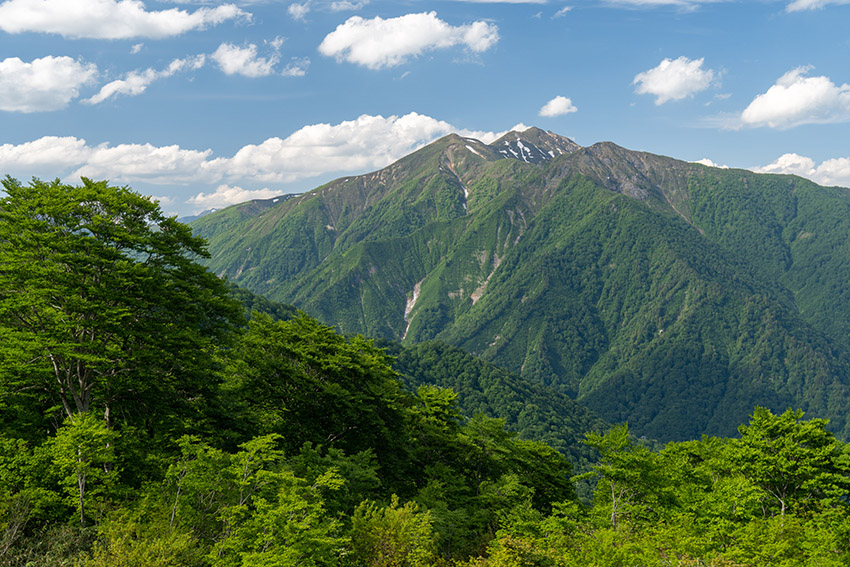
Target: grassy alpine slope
<point x="668" y="294"/>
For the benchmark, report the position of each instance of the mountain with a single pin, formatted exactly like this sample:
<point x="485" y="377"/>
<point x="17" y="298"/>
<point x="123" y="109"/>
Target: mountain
<point x="669" y="294"/>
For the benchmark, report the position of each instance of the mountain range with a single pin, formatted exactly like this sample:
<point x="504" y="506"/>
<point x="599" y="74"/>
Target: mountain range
<point x="668" y="294"/>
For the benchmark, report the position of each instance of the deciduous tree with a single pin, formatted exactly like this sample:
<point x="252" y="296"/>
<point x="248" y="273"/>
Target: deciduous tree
<point x="102" y="304"/>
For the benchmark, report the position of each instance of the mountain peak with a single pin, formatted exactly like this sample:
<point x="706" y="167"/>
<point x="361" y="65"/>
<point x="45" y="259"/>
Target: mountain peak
<point x="533" y="145"/>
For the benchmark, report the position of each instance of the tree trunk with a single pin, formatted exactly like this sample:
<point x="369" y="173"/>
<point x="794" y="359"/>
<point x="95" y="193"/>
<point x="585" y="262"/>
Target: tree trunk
<point x="81" y="484"/>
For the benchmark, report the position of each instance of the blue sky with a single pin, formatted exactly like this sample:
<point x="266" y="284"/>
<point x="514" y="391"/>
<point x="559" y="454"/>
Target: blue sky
<point x="206" y="103"/>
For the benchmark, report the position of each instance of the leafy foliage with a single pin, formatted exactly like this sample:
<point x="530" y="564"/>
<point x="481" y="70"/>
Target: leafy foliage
<point x="318" y="456"/>
<point x="102" y="307"/>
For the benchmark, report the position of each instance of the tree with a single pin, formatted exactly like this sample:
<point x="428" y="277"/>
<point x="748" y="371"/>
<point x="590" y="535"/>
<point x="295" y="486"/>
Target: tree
<point x="102" y="304"/>
<point x="392" y="536"/>
<point x="798" y="464"/>
<point x="83" y="452"/>
<point x="306" y="382"/>
<point x="629" y="475"/>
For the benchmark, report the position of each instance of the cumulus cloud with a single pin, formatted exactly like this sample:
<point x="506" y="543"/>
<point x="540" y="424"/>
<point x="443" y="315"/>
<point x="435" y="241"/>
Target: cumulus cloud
<point x="108" y="19"/>
<point x="361" y="144"/>
<point x="123" y="163"/>
<point x="800" y="5"/>
<point x="834" y="171"/>
<point x="796" y="99"/>
<point x="379" y="43"/>
<point x="235" y="60"/>
<point x="709" y="163"/>
<point x="355" y="146"/>
<point x="136" y="82"/>
<point x="49" y="152"/>
<point x="146" y="163"/>
<point x="558" y="106"/>
<point x="674" y="79"/>
<point x="225" y="195"/>
<point x="45" y="84"/>
<point x="790" y="163"/>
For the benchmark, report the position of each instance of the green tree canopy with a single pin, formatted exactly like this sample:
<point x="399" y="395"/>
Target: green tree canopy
<point x="303" y="380"/>
<point x="798" y="464"/>
<point x="102" y="304"/>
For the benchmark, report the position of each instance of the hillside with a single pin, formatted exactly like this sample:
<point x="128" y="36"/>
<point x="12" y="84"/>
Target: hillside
<point x="531" y="410"/>
<point x="669" y="294"/>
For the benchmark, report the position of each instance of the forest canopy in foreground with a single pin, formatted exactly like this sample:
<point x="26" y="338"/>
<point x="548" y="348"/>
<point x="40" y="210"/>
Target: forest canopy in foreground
<point x="143" y="422"/>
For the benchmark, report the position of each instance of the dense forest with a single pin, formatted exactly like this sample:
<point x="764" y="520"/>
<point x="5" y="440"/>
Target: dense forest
<point x="145" y="420"/>
<point x="667" y="294"/>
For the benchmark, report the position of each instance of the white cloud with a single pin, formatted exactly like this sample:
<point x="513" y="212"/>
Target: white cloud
<point x="235" y="60"/>
<point x="226" y="195"/>
<point x="790" y="163"/>
<point x="137" y="48"/>
<point x="347" y="5"/>
<point x="49" y="152"/>
<point x="299" y="11"/>
<point x="124" y="163"/>
<point x="562" y="12"/>
<point x="351" y="147"/>
<point x="136" y="82"/>
<point x="162" y="199"/>
<point x="674" y="79"/>
<point x="48" y="83"/>
<point x="108" y="19"/>
<point x="558" y="106"/>
<point x="834" y="171"/>
<point x="504" y="1"/>
<point x="296" y="68"/>
<point x="158" y="165"/>
<point x="365" y="143"/>
<point x="682" y="4"/>
<point x="379" y="43"/>
<point x="796" y="99"/>
<point x="800" y="5"/>
<point x="709" y="163"/>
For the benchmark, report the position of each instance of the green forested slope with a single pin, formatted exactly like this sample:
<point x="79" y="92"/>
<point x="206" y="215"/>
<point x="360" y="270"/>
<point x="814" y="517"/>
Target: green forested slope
<point x="668" y="294"/>
<point x="532" y="410"/>
<point x="145" y="423"/>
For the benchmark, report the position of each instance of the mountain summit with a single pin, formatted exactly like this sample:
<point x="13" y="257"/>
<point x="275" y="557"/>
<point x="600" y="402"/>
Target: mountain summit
<point x="669" y="294"/>
<point x="534" y="145"/>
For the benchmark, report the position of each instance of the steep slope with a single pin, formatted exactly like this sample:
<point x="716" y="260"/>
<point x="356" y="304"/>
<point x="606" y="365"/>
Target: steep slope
<point x="665" y="293"/>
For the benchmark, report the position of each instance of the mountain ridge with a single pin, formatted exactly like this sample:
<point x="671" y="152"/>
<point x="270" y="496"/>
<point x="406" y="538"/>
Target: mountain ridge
<point x="655" y="290"/>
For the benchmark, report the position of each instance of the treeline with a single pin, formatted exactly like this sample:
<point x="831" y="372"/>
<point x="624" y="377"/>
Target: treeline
<point x="145" y="422"/>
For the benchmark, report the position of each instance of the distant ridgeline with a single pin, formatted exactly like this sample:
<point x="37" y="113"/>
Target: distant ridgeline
<point x="668" y="294"/>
